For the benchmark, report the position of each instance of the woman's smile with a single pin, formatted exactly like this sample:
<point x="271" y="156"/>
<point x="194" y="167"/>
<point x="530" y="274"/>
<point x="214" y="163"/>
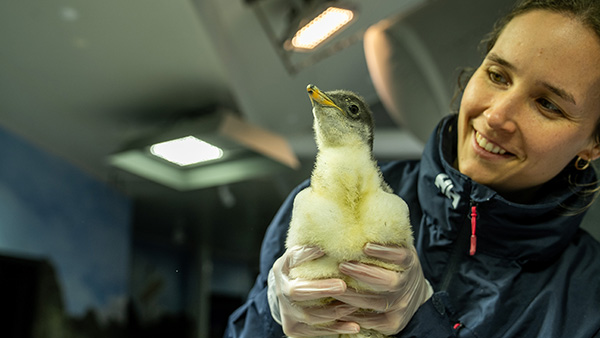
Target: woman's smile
<point x="484" y="144"/>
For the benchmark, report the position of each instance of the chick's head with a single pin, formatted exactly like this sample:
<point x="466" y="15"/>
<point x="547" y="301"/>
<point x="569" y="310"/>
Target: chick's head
<point x="341" y="118"/>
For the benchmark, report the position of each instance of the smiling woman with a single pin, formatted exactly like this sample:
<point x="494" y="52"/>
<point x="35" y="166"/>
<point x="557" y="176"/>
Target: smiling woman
<point x="532" y="104"/>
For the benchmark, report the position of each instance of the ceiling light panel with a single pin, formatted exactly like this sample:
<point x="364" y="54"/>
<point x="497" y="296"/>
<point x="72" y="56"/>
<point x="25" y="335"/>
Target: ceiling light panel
<point x="322" y="27"/>
<point x="186" y="151"/>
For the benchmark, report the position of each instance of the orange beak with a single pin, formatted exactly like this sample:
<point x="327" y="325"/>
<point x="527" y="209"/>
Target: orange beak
<point x="316" y="95"/>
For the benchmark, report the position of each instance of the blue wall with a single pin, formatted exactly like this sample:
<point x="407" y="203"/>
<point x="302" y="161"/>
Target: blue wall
<point x="50" y="209"/>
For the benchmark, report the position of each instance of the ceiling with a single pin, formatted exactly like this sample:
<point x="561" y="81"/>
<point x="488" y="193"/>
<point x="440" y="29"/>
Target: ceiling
<point x="82" y="78"/>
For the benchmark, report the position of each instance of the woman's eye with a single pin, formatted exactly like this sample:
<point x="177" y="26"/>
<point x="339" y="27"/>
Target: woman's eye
<point x="549" y="106"/>
<point x="353" y="109"/>
<point x="497" y="77"/>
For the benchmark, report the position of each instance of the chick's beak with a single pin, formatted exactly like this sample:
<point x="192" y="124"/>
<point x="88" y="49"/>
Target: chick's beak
<point x="317" y="96"/>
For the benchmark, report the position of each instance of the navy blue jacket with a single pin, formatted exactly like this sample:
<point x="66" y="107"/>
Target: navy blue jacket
<point x="533" y="273"/>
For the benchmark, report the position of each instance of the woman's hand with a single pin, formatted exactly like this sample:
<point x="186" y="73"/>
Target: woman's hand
<point x="300" y="321"/>
<point x="396" y="296"/>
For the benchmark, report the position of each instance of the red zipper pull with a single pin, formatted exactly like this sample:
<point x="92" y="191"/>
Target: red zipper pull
<point x="473" y="248"/>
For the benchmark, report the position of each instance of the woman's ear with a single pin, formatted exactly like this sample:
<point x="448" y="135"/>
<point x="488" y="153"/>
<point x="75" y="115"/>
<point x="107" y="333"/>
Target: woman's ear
<point x="590" y="154"/>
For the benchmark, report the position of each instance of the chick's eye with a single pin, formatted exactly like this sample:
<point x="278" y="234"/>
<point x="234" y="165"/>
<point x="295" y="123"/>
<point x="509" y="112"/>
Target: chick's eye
<point x="353" y="109"/>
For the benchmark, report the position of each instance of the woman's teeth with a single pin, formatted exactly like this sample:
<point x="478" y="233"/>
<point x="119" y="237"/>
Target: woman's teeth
<point x="483" y="143"/>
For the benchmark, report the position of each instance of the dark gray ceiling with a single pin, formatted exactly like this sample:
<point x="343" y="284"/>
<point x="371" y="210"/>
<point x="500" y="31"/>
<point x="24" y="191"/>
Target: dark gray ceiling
<point x="81" y="79"/>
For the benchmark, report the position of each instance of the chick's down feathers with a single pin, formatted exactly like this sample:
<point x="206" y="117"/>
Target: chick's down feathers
<point x="347" y="204"/>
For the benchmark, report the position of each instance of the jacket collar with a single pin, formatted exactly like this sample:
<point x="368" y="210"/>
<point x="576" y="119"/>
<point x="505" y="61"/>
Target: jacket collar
<point x="524" y="232"/>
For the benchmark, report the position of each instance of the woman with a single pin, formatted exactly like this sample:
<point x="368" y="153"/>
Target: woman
<point x="496" y="202"/>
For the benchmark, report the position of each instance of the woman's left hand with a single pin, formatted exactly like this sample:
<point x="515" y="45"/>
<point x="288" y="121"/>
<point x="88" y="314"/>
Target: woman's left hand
<point x="396" y="296"/>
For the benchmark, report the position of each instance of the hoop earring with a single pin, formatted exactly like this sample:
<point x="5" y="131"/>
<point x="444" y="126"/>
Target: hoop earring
<point x="579" y="165"/>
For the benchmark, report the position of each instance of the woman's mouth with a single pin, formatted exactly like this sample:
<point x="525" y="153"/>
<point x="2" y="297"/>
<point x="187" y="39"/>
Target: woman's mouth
<point x="487" y="145"/>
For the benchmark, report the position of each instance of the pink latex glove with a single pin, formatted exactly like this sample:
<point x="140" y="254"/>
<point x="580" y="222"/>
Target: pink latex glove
<point x="396" y="296"/>
<point x="299" y="321"/>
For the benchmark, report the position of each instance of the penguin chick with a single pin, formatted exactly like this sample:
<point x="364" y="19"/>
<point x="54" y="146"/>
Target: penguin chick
<point x="347" y="204"/>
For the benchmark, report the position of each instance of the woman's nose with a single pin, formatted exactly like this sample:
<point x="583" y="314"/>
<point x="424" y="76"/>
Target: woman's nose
<point x="502" y="112"/>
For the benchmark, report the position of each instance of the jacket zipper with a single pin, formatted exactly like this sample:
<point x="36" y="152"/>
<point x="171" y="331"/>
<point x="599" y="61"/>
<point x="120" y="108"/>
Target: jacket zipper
<point x="473" y="247"/>
<point x="463" y="240"/>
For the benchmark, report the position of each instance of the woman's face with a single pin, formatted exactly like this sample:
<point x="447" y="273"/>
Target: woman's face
<point x="532" y="105"/>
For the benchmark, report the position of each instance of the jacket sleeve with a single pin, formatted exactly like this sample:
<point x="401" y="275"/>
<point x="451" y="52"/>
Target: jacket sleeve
<point x="253" y="319"/>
